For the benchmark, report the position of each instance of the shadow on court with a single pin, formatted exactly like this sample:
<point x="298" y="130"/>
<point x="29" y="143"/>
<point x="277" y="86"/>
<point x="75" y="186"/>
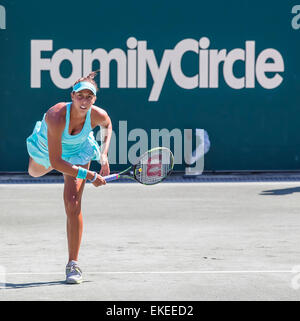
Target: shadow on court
<point x="36" y="284"/>
<point x="32" y="285"/>
<point x="282" y="191"/>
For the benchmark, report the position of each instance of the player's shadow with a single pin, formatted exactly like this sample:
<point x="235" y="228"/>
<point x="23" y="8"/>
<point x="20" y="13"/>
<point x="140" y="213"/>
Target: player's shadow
<point x="35" y="284"/>
<point x="32" y="284"/>
<point x="282" y="191"/>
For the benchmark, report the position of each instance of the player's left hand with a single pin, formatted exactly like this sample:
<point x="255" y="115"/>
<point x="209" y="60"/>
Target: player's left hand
<point x="105" y="170"/>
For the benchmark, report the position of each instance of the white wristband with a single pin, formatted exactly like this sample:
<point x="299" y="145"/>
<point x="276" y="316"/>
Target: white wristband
<point x="94" y="178"/>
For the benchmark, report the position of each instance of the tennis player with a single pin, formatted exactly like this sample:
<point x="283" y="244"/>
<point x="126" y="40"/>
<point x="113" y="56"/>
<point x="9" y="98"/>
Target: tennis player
<point x="64" y="141"/>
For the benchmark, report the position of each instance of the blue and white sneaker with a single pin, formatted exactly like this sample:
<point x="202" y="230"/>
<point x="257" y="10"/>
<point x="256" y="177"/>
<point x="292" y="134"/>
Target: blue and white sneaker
<point x="73" y="273"/>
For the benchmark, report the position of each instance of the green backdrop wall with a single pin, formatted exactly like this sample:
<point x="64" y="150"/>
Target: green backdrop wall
<point x="251" y="128"/>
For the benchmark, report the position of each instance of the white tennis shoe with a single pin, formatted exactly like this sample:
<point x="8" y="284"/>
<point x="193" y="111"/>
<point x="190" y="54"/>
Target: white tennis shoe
<point x="73" y="273"/>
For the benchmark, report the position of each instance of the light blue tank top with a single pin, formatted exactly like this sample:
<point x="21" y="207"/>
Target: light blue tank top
<point x="71" y="144"/>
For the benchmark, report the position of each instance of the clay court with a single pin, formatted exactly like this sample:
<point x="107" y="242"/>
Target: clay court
<point x="172" y="241"/>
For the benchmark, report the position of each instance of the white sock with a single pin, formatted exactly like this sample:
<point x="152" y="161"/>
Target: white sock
<point x="72" y="262"/>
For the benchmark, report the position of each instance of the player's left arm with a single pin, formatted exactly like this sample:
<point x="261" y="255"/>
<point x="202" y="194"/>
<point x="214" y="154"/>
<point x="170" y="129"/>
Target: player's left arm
<point x="101" y="118"/>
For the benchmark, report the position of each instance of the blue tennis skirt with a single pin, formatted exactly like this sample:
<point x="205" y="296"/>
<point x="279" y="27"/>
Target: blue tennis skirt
<point x="89" y="150"/>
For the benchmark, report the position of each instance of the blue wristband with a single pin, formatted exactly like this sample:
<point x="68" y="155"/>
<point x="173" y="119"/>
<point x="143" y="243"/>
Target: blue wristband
<point x="82" y="172"/>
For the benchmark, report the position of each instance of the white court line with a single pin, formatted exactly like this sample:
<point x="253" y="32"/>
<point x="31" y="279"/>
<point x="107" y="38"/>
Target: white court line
<point x="161" y="272"/>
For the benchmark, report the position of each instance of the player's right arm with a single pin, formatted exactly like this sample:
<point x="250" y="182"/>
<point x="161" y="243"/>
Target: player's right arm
<point x="55" y="119"/>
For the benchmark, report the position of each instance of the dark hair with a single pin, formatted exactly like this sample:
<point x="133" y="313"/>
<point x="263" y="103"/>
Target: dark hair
<point x="89" y="78"/>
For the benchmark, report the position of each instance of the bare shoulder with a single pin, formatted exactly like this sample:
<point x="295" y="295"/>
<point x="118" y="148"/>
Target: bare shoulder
<point x="98" y="116"/>
<point x="56" y="115"/>
<point x="98" y="112"/>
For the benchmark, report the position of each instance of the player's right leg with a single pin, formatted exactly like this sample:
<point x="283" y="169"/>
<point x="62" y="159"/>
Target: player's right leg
<point x="37" y="170"/>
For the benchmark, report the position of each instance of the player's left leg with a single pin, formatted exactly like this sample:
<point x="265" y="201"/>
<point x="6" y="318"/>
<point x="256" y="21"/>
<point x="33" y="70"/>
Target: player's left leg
<point x="73" y="190"/>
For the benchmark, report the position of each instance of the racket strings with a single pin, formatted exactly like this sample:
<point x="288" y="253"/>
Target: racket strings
<point x="154" y="166"/>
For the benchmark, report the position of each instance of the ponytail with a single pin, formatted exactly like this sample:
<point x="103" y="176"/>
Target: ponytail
<point x="90" y="78"/>
<point x="93" y="74"/>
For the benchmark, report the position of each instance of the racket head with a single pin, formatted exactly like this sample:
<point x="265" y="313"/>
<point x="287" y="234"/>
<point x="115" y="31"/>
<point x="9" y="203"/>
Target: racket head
<point x="154" y="166"/>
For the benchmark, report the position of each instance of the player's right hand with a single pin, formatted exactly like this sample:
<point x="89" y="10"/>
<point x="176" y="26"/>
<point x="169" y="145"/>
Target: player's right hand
<point x="99" y="181"/>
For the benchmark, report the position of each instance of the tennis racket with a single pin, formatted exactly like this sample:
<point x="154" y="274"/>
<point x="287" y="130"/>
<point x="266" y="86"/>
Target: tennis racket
<point x="152" y="167"/>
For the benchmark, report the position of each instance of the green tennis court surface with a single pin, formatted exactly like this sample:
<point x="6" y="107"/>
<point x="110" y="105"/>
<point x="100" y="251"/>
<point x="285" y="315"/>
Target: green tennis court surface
<point x="193" y="241"/>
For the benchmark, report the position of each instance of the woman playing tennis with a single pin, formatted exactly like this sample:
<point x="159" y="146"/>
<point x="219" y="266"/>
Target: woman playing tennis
<point x="64" y="141"/>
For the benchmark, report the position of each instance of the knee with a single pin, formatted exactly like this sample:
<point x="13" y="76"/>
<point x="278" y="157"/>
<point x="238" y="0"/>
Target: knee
<point x="72" y="205"/>
<point x="36" y="170"/>
<point x="33" y="173"/>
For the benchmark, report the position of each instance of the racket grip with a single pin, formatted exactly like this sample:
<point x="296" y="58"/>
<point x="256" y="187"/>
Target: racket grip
<point x="111" y="177"/>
